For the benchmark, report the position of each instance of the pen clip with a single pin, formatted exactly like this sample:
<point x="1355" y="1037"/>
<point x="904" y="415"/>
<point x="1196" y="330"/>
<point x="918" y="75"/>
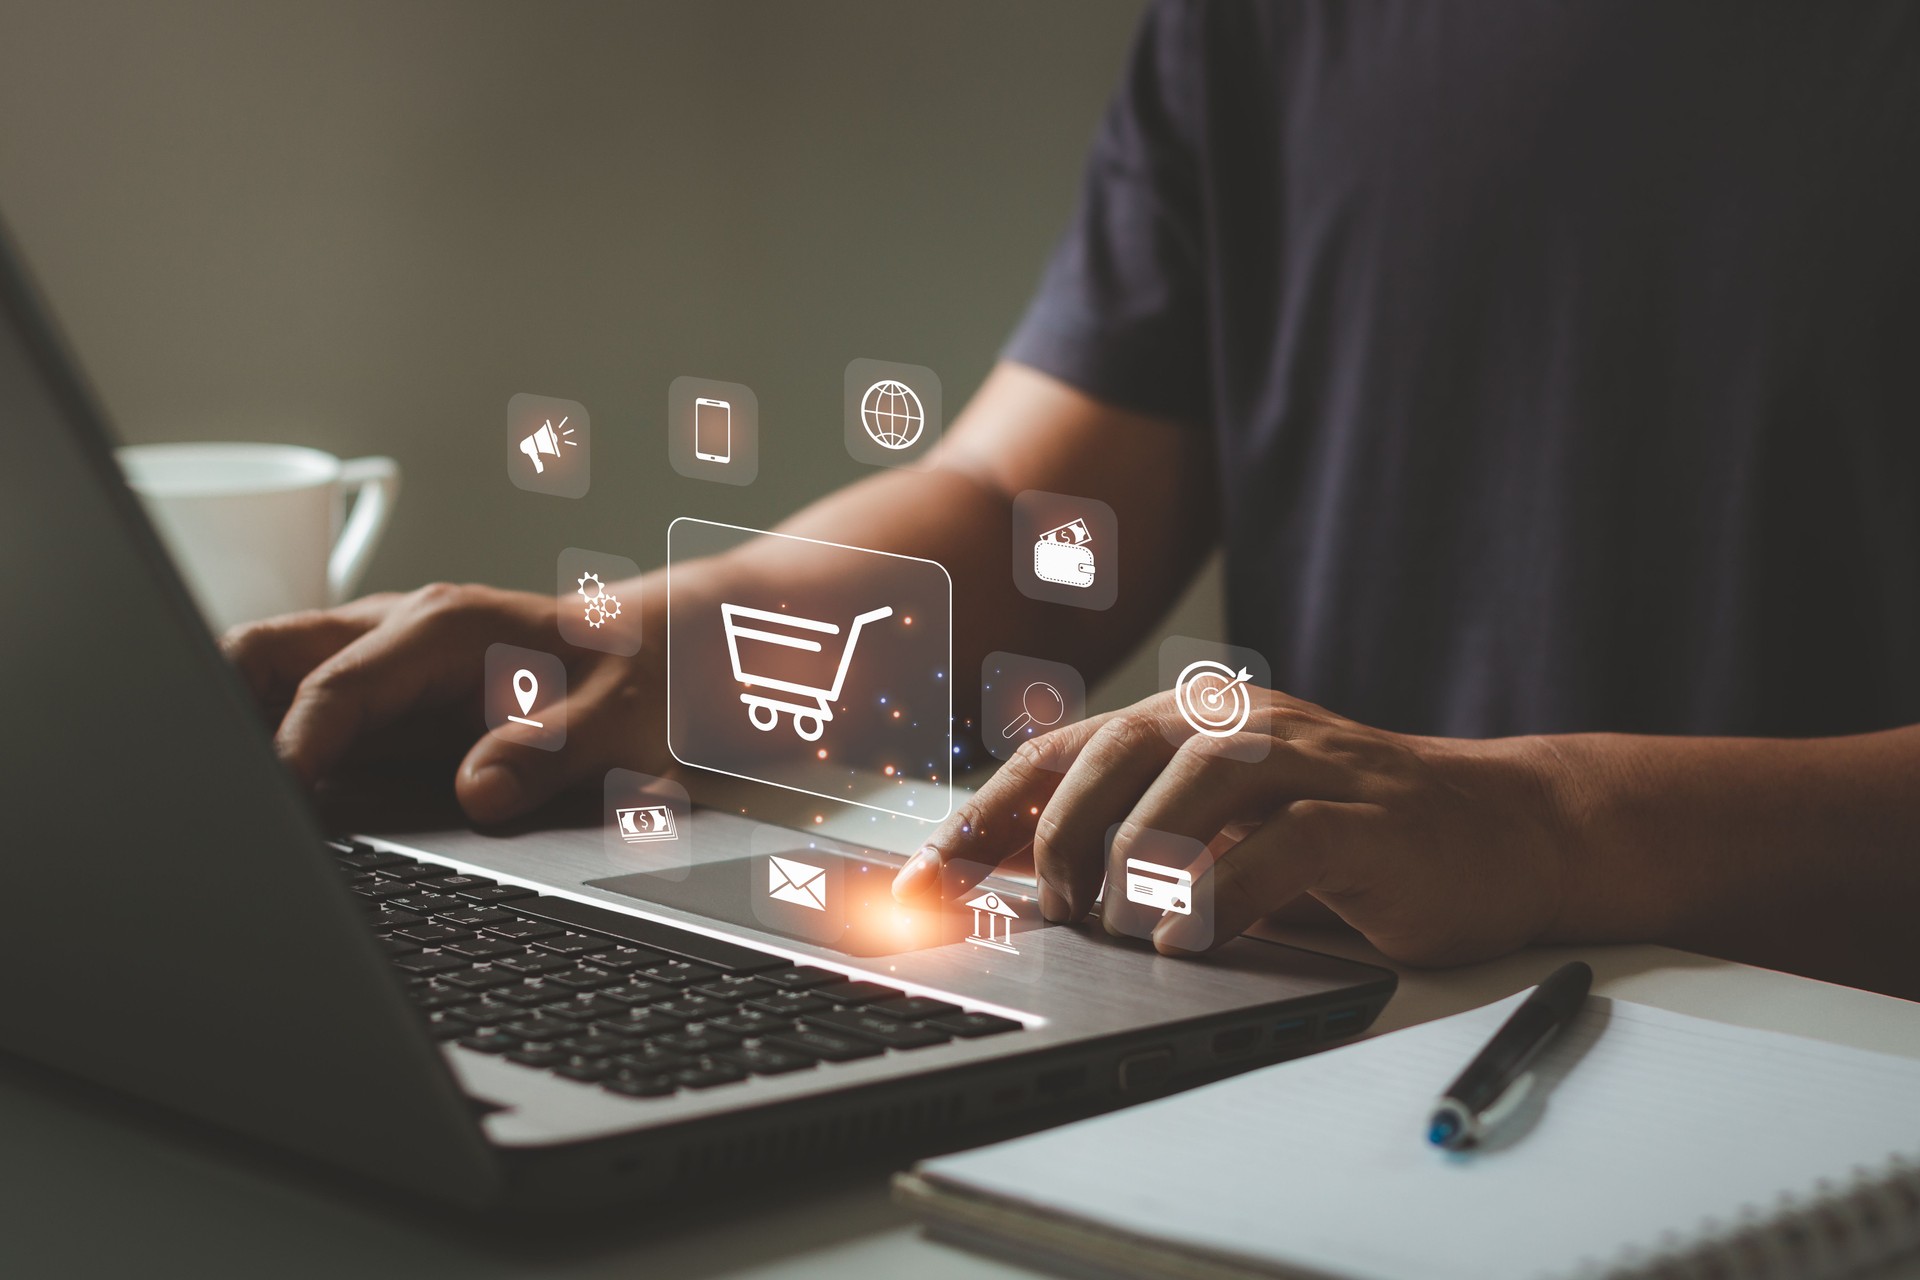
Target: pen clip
<point x="1506" y="1104"/>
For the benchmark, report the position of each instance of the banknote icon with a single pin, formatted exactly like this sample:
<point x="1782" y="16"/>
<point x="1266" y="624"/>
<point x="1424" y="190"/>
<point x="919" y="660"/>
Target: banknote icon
<point x="1073" y="533"/>
<point x="1061" y="555"/>
<point x="646" y="823"/>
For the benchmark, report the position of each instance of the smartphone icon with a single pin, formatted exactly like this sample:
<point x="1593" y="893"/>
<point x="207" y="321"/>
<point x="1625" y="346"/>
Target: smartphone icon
<point x="712" y="430"/>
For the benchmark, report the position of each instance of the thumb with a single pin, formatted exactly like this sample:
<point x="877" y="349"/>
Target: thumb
<point x="503" y="778"/>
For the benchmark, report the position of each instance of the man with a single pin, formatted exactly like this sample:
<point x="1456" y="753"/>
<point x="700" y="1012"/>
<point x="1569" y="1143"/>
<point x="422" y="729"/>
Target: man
<point x="1544" y="370"/>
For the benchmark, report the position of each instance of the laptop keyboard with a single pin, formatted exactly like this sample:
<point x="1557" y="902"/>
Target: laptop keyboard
<point x="638" y="1007"/>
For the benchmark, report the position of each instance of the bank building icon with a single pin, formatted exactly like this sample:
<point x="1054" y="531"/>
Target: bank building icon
<point x="993" y="923"/>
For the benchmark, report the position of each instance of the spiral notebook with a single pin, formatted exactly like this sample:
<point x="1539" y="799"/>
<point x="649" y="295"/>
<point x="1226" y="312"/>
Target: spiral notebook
<point x="1660" y="1143"/>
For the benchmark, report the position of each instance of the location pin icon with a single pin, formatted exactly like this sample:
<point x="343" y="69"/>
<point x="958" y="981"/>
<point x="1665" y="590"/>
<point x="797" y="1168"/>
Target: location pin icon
<point x="525" y="686"/>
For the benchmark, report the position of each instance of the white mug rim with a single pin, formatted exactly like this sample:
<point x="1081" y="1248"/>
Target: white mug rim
<point x="190" y="469"/>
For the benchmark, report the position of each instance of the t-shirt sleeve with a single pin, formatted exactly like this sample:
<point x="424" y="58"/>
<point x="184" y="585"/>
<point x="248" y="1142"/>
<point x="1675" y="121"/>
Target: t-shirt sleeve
<point x="1121" y="308"/>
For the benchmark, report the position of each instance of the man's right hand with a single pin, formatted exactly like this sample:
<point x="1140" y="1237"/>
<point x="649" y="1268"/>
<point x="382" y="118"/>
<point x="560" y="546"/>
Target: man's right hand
<point x="387" y="669"/>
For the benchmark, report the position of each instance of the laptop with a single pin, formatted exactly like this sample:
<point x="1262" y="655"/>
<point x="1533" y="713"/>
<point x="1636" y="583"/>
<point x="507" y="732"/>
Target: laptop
<point x="493" y="1020"/>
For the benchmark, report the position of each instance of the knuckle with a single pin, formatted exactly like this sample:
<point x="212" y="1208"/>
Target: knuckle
<point x="1121" y="737"/>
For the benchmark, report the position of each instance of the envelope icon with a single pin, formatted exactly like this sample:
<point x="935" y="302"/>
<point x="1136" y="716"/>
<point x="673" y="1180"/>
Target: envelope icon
<point x="796" y="882"/>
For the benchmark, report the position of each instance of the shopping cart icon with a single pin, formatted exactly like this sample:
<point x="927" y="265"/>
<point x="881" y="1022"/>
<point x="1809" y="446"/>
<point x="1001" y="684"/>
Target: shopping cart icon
<point x="758" y="626"/>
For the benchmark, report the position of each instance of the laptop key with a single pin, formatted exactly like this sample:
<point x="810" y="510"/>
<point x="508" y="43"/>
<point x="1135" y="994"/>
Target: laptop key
<point x="400" y="946"/>
<point x="790" y="1004"/>
<point x="573" y="944"/>
<point x="411" y="871"/>
<point x="531" y="963"/>
<point x="879" y="1027"/>
<point x="445" y="1024"/>
<point x="677" y="972"/>
<point x="640" y="1023"/>
<point x="733" y="987"/>
<point x="857" y="992"/>
<point x="585" y="978"/>
<point x="642" y="993"/>
<point x="429" y="962"/>
<point x="427" y="904"/>
<point x="437" y="995"/>
<point x="515" y="929"/>
<point x="973" y="1025"/>
<point x="456" y="882"/>
<point x="626" y="959"/>
<point x="482" y="978"/>
<point x="649" y="1059"/>
<point x="751" y="1022"/>
<point x="693" y="1008"/>
<point x="585" y="1071"/>
<point x="432" y="935"/>
<point x="587" y="1006"/>
<point x="476" y="917"/>
<point x="383" y="890"/>
<point x="708" y="1074"/>
<point x="799" y="977"/>
<point x="490" y="1042"/>
<point x="597" y="1045"/>
<point x="651" y="1085"/>
<point x="482" y="948"/>
<point x="390" y="918"/>
<point x="697" y="1038"/>
<point x="914" y="1008"/>
<point x="765" y="1060"/>
<point x="825" y="1045"/>
<point x="488" y="893"/>
<point x="539" y="1026"/>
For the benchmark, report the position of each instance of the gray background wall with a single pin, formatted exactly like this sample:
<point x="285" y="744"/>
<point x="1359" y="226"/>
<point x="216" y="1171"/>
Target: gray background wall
<point x="363" y="225"/>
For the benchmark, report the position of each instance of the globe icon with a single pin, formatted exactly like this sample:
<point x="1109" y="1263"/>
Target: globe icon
<point x="892" y="415"/>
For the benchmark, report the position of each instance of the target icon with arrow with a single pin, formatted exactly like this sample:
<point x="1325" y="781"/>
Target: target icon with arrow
<point x="1213" y="698"/>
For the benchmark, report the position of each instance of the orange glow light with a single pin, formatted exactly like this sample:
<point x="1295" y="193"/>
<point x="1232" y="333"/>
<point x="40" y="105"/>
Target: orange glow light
<point x="889" y="771"/>
<point x="822" y="753"/>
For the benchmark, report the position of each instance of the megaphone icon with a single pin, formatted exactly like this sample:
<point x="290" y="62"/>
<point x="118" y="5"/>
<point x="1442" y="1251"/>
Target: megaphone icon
<point x="546" y="440"/>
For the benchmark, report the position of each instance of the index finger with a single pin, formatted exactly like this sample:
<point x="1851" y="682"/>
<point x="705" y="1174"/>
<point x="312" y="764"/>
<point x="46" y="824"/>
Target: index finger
<point x="997" y="822"/>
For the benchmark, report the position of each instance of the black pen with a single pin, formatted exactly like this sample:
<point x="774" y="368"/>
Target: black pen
<point x="1494" y="1082"/>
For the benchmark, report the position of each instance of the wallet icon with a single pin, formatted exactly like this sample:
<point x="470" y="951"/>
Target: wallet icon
<point x="1063" y="556"/>
<point x="797" y="883"/>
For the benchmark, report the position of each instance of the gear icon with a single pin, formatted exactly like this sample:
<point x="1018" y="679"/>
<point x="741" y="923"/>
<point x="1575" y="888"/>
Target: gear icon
<point x="602" y="605"/>
<point x="603" y="608"/>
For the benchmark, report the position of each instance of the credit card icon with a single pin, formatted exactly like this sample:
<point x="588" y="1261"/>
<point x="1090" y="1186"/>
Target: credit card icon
<point x="1167" y="888"/>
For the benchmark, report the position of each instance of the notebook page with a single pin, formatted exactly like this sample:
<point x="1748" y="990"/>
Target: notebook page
<point x="1652" y="1124"/>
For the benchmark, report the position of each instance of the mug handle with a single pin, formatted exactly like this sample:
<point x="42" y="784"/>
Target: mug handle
<point x="377" y="481"/>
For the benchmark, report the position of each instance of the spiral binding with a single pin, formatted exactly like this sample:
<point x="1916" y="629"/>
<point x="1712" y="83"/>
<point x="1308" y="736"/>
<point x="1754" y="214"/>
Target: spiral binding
<point x="1839" y="1230"/>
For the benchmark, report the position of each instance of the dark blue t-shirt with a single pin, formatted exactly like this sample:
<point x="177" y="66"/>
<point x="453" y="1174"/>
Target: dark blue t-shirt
<point x="1562" y="360"/>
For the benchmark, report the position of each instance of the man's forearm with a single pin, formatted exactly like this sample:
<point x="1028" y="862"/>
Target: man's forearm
<point x="1801" y="854"/>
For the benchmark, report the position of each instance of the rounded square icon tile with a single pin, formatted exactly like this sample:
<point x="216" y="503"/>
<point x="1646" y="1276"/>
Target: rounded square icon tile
<point x="999" y="920"/>
<point x="1216" y="690"/>
<point x="1022" y="698"/>
<point x="549" y="445"/>
<point x="1066" y="550"/>
<point x="1154" y="874"/>
<point x="892" y="412"/>
<point x="526" y="696"/>
<point x="597" y="597"/>
<point x="713" y="430"/>
<point x="647" y="825"/>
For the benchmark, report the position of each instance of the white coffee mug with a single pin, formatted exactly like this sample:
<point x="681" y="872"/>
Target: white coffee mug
<point x="263" y="529"/>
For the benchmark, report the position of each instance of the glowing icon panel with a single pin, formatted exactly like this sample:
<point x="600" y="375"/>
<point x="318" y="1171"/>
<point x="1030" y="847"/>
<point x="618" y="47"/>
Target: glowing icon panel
<point x="549" y="445"/>
<point x="820" y="668"/>
<point x="713" y="430"/>
<point x="597" y="600"/>
<point x="525" y="696"/>
<point x="892" y="412"/>
<point x="1216" y="689"/>
<point x="1066" y="549"/>
<point x="1022" y="698"/>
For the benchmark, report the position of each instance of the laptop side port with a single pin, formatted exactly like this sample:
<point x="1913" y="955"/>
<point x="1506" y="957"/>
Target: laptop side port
<point x="1343" y="1022"/>
<point x="1292" y="1031"/>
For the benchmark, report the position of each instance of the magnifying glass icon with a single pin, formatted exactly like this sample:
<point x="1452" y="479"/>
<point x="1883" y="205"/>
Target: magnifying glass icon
<point x="1041" y="705"/>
